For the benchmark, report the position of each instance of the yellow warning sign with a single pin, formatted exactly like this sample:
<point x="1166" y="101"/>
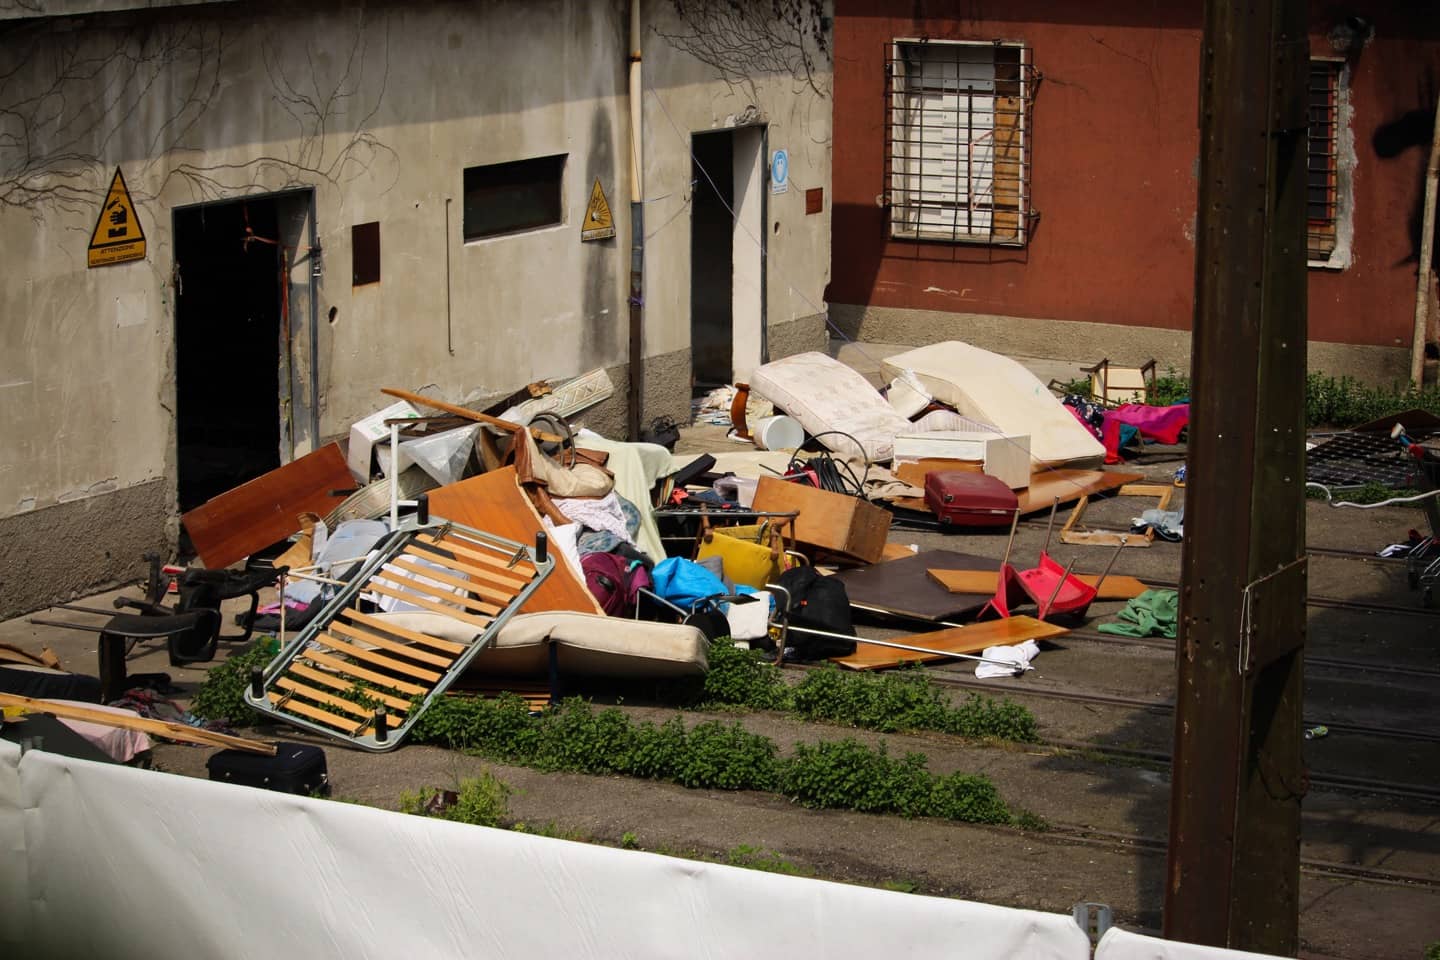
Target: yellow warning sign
<point x="598" y="225"/>
<point x="118" y="236"/>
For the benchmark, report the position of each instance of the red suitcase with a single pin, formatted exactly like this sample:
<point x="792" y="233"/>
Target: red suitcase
<point x="968" y="499"/>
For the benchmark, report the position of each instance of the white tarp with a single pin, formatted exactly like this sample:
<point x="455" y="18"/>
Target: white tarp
<point x="122" y="862"/>
<point x="1117" y="944"/>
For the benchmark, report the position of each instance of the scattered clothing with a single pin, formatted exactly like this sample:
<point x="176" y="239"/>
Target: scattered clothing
<point x="1167" y="524"/>
<point x="1019" y="654"/>
<point x="1155" y="613"/>
<point x="605" y="515"/>
<point x="1160" y="424"/>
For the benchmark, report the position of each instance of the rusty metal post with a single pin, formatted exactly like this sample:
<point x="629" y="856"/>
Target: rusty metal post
<point x="1233" y="874"/>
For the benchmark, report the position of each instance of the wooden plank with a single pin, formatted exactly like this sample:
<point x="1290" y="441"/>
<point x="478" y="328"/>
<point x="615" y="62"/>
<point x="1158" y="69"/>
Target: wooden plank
<point x="411" y="566"/>
<point x="972" y="639"/>
<point x="493" y="502"/>
<point x="468" y="414"/>
<point x="163" y="728"/>
<point x="291" y="685"/>
<point x="414" y="636"/>
<point x="511" y="584"/>
<point x="1046" y="486"/>
<point x="344" y="683"/>
<point x="344" y="724"/>
<point x="380" y="660"/>
<point x="355" y="670"/>
<point x="375" y="586"/>
<point x="385" y="643"/>
<point x="520" y="573"/>
<point x="902" y="586"/>
<point x="256" y="514"/>
<point x="895" y="551"/>
<point x="984" y="581"/>
<point x="913" y="471"/>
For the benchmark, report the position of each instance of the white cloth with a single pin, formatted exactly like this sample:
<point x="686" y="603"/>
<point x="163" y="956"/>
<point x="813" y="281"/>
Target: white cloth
<point x="1020" y="654"/>
<point x="603" y="515"/>
<point x="565" y="538"/>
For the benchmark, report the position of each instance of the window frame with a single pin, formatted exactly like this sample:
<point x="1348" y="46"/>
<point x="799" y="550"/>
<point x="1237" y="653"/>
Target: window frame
<point x="1008" y="224"/>
<point x="1334" y="231"/>
<point x="520" y="225"/>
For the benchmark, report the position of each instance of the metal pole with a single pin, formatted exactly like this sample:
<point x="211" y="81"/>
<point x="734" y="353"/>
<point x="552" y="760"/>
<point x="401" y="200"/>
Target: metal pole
<point x="1237" y="779"/>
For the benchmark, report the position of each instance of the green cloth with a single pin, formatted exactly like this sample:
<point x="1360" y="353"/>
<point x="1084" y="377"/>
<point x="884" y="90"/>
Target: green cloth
<point x="1153" y="613"/>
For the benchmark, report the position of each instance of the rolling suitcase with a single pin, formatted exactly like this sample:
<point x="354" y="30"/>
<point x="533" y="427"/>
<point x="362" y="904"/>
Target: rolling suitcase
<point x="295" y="768"/>
<point x="967" y="499"/>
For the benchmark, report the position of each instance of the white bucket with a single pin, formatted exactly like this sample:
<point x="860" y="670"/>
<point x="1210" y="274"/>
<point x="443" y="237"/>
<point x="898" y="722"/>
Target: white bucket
<point x="778" y="433"/>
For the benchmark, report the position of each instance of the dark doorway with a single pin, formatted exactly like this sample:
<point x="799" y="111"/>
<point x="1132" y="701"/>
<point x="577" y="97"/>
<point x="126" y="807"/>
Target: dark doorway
<point x="227" y="345"/>
<point x="712" y="245"/>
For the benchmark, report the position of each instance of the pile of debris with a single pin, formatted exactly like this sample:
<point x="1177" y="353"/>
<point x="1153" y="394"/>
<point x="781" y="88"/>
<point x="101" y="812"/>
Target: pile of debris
<point x="511" y="546"/>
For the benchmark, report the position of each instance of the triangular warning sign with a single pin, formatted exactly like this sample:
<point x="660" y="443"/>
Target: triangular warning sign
<point x="598" y="223"/>
<point x="118" y="235"/>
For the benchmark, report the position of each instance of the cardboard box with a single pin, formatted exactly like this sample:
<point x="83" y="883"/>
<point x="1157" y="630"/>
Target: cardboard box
<point x="829" y="521"/>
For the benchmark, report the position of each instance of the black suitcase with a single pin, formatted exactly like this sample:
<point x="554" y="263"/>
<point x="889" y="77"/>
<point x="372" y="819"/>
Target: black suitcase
<point x="295" y="768"/>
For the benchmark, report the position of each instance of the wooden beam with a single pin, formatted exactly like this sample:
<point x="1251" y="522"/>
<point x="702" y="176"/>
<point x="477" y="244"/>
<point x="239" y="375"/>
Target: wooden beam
<point x="161" y="728"/>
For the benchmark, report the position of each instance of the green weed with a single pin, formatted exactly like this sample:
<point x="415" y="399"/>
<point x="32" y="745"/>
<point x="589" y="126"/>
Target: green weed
<point x="482" y="801"/>
<point x="629" y="841"/>
<point x="757" y="858"/>
<point x="222" y="695"/>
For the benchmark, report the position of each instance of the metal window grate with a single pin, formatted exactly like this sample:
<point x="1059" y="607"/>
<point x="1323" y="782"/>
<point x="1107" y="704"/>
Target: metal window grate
<point x="958" y="127"/>
<point x="1322" y="188"/>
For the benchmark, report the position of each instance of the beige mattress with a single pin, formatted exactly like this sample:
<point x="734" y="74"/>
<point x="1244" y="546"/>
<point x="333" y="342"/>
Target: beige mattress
<point x="824" y="394"/>
<point x="590" y="644"/>
<point x="995" y="389"/>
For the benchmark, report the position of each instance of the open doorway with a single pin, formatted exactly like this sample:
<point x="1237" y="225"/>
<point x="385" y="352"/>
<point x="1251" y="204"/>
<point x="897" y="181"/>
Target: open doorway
<point x="727" y="259"/>
<point x="229" y="283"/>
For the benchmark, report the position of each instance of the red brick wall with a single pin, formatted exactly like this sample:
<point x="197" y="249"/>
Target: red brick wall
<point x="1115" y="145"/>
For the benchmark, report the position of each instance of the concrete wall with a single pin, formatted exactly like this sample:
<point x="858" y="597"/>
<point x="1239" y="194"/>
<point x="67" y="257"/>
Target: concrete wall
<point x="1115" y="147"/>
<point x="377" y="108"/>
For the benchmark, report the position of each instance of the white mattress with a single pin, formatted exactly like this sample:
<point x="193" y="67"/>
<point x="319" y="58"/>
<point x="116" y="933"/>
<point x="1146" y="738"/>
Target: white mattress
<point x="824" y="394"/>
<point x="986" y="386"/>
<point x="591" y="644"/>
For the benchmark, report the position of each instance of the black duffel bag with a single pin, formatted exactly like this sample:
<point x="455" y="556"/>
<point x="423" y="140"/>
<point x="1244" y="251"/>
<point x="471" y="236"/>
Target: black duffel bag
<point x="819" y="603"/>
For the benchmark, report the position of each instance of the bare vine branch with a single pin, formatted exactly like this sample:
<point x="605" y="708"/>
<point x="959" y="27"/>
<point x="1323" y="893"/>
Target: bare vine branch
<point x="743" y="39"/>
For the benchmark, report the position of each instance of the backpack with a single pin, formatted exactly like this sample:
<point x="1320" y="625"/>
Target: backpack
<point x="615" y="581"/>
<point x="821" y="603"/>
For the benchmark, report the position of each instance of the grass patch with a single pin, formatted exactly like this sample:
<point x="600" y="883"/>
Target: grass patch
<point x="757" y="858"/>
<point x="890" y="701"/>
<point x="575" y="737"/>
<point x="1372" y="492"/>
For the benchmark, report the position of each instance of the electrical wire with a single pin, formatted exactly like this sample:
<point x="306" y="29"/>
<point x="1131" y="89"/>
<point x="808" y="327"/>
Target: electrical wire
<point x="1330" y="498"/>
<point x="832" y="474"/>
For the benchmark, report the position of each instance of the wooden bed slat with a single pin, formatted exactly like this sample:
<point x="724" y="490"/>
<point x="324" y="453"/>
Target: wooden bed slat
<point x="355" y="670"/>
<point x="389" y="663"/>
<point x="489" y="593"/>
<point x="509" y="586"/>
<point x="419" y="601"/>
<point x="380" y="623"/>
<point x="285" y="682"/>
<point x="340" y="723"/>
<point x="385" y="643"/>
<point x="338" y="682"/>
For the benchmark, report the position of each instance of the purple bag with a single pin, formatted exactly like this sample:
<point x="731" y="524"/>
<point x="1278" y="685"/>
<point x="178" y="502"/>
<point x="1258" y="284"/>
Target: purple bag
<point x="615" y="581"/>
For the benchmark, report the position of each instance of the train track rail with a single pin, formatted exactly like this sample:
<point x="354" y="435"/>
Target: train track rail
<point x="1309" y="865"/>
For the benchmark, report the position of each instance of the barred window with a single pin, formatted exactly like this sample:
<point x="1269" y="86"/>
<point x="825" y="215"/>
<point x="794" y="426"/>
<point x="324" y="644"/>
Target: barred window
<point x="957" y="145"/>
<point x="1323" y="200"/>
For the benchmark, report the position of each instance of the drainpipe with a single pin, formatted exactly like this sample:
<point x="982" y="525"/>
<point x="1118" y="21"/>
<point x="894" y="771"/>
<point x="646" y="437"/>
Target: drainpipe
<point x="637" y="232"/>
<point x="1427" y="256"/>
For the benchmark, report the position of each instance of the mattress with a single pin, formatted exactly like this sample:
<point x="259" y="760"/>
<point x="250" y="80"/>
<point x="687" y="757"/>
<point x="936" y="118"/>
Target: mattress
<point x="995" y="389"/>
<point x="590" y="644"/>
<point x="824" y="395"/>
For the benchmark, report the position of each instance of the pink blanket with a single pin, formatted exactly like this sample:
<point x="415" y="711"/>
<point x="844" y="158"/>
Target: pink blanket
<point x="1162" y="424"/>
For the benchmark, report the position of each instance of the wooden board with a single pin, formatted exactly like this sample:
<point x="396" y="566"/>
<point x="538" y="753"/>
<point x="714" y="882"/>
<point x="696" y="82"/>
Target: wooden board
<point x="173" y="731"/>
<point x="1069" y="485"/>
<point x="829" y="521"/>
<point x="972" y="639"/>
<point x="913" y="471"/>
<point x="494" y="502"/>
<point x="264" y="511"/>
<point x="903" y="587"/>
<point x="984" y="581"/>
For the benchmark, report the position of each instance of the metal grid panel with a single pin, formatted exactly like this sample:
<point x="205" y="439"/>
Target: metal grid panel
<point x="958" y="127"/>
<point x="1322" y="188"/>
